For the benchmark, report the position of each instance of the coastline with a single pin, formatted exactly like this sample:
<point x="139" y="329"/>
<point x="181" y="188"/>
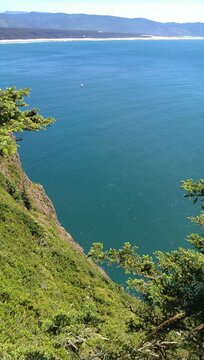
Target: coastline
<point x="41" y="40"/>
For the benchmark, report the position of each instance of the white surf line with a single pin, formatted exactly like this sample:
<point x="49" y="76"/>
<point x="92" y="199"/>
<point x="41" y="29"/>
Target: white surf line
<point x="30" y="41"/>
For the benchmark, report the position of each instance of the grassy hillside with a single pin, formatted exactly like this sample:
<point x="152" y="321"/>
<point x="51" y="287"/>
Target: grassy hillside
<point x="54" y="302"/>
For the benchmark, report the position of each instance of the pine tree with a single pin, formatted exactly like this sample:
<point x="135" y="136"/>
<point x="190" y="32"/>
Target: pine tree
<point x="14" y="119"/>
<point x="170" y="287"/>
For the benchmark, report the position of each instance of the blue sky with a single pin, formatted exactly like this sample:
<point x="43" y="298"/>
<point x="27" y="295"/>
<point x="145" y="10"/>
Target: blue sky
<point x="160" y="10"/>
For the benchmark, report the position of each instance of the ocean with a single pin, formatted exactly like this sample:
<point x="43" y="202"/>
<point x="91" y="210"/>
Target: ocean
<point x="113" y="161"/>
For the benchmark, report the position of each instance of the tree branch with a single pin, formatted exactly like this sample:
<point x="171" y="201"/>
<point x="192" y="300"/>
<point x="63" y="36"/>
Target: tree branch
<point x="170" y="321"/>
<point x="199" y="328"/>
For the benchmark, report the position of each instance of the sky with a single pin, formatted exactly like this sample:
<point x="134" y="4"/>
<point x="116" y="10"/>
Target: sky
<point x="159" y="10"/>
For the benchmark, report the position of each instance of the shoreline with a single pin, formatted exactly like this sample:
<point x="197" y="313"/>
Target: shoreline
<point x="41" y="40"/>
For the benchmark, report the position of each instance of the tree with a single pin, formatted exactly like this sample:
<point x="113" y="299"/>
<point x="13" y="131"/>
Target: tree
<point x="170" y="287"/>
<point x="13" y="119"/>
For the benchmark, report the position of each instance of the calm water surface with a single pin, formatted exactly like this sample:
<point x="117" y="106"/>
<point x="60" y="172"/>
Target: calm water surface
<point x="113" y="161"/>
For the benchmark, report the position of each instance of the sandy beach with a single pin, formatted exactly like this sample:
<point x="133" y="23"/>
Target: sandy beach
<point x="27" y="41"/>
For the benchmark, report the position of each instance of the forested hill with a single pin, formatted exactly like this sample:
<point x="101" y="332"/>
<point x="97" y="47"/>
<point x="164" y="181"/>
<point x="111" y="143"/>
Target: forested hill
<point x="37" y="20"/>
<point x="28" y="33"/>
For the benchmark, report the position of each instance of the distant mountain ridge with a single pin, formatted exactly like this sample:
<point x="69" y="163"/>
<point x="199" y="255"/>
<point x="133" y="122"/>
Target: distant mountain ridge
<point x="112" y="24"/>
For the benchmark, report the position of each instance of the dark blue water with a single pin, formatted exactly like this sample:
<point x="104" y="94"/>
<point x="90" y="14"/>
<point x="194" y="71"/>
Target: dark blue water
<point x="113" y="161"/>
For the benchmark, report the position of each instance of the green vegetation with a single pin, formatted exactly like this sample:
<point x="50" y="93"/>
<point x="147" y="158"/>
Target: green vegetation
<point x="13" y="119"/>
<point x="55" y="303"/>
<point x="171" y="289"/>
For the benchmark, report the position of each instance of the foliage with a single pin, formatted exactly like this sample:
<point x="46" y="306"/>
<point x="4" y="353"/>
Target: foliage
<point x="54" y="302"/>
<point x="171" y="289"/>
<point x="14" y="119"/>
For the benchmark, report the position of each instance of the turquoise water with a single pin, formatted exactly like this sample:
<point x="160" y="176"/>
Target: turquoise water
<point x="113" y="161"/>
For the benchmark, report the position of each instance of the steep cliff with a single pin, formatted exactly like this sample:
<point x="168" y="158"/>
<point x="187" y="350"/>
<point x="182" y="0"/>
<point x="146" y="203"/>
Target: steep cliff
<point x="54" y="302"/>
